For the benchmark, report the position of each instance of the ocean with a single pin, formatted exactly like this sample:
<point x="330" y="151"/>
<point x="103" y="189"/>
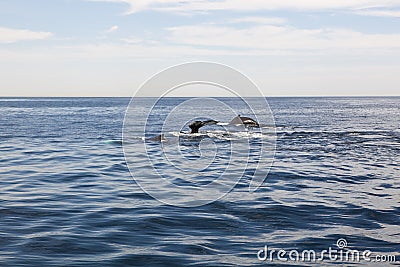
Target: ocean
<point x="68" y="198"/>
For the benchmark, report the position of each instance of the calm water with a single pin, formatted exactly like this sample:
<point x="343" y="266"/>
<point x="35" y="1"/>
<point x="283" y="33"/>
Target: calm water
<point x="67" y="197"/>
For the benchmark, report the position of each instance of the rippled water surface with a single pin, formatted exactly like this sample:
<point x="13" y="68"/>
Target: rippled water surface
<point x="68" y="199"/>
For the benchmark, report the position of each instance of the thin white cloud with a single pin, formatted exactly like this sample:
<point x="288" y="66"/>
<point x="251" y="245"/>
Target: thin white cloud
<point x="134" y="5"/>
<point x="272" y="37"/>
<point x="213" y="40"/>
<point x="181" y="6"/>
<point x="8" y="35"/>
<point x="380" y="13"/>
<point x="112" y="29"/>
<point x="132" y="40"/>
<point x="260" y="20"/>
<point x="125" y="51"/>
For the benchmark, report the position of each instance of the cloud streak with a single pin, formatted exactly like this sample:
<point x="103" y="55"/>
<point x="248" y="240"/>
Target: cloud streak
<point x="112" y="29"/>
<point x="260" y="20"/>
<point x="380" y="13"/>
<point x="8" y="35"/>
<point x="272" y="37"/>
<point x="181" y="6"/>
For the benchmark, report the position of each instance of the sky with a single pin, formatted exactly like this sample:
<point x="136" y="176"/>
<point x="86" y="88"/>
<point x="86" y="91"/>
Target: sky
<point x="288" y="48"/>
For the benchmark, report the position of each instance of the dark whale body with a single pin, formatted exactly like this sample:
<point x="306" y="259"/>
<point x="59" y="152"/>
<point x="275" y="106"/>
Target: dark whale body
<point x="158" y="138"/>
<point x="196" y="125"/>
<point x="246" y="121"/>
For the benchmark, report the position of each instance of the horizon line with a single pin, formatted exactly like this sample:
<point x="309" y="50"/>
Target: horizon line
<point x="288" y="96"/>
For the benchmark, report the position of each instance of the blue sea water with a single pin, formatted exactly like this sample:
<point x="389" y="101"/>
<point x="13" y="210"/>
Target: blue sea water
<point x="68" y="199"/>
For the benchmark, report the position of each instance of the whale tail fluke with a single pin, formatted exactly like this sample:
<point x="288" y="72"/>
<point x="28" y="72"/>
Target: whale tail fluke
<point x="195" y="126"/>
